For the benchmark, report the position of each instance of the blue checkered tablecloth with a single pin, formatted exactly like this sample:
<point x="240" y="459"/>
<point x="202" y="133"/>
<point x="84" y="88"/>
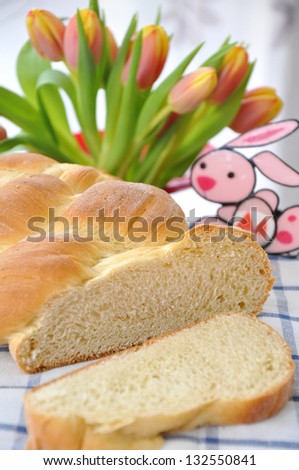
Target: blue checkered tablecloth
<point x="281" y="311"/>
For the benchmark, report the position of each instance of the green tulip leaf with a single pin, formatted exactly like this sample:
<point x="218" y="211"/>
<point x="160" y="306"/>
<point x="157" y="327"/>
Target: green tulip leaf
<point x="128" y="112"/>
<point x="29" y="66"/>
<point x="33" y="144"/>
<point x="47" y="82"/>
<point x="158" y="16"/>
<point x="114" y="89"/>
<point x="94" y="5"/>
<point x="60" y="80"/>
<point x="216" y="59"/>
<point x="104" y="66"/>
<point x="52" y="106"/>
<point x="21" y="112"/>
<point x="7" y="145"/>
<point x="156" y="156"/>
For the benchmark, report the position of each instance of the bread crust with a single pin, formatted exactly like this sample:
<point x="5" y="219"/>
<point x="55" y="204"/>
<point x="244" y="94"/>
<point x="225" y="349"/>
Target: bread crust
<point x="25" y="198"/>
<point x="32" y="272"/>
<point x="26" y="163"/>
<point x="50" y="432"/>
<point x="78" y="177"/>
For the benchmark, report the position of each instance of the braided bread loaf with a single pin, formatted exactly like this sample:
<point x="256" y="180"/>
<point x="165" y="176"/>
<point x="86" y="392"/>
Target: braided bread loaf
<point x="73" y="288"/>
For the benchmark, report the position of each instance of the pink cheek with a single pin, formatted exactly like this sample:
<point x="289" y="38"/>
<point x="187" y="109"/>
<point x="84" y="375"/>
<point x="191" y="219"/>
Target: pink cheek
<point x="284" y="237"/>
<point x="292" y="218"/>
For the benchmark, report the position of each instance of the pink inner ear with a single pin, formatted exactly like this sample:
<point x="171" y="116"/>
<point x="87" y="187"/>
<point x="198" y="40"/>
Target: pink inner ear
<point x="226" y="212"/>
<point x="269" y="196"/>
<point x="275" y="169"/>
<point x="264" y="135"/>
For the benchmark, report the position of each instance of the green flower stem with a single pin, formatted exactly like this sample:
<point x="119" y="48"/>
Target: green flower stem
<point x="128" y="112"/>
<point x="69" y="147"/>
<point x="163" y="159"/>
<point x="114" y="95"/>
<point x="93" y="142"/>
<point x="198" y="131"/>
<point x="161" y="162"/>
<point x="198" y="114"/>
<point x="154" y="153"/>
<point x="161" y="116"/>
<point x="133" y="155"/>
<point x="163" y="156"/>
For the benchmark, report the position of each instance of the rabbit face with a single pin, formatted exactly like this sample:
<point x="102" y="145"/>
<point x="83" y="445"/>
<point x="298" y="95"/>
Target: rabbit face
<point x="223" y="176"/>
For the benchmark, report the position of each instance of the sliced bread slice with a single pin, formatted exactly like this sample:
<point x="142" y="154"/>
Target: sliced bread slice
<point x="227" y="369"/>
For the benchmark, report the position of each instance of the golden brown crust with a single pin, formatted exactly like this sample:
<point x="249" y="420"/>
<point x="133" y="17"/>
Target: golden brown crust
<point x="79" y="177"/>
<point x="26" y="163"/>
<point x="24" y="198"/>
<point x="135" y="204"/>
<point x="50" y="432"/>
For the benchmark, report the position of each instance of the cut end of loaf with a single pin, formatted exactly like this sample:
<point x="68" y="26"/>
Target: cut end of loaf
<point x="145" y="293"/>
<point x="227" y="369"/>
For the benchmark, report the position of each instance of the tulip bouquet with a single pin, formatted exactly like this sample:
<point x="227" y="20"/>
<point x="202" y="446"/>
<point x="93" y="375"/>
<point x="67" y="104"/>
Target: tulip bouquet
<point x="152" y="133"/>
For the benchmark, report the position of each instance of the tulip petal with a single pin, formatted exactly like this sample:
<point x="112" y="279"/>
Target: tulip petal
<point x="155" y="44"/>
<point x="210" y="125"/>
<point x="232" y="71"/>
<point x="46" y="33"/>
<point x="93" y="33"/>
<point x="258" y="107"/>
<point x="157" y="97"/>
<point x="192" y="89"/>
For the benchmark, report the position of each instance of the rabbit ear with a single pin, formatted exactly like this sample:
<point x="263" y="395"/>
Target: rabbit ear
<point x="226" y="212"/>
<point x="264" y="135"/>
<point x="275" y="169"/>
<point x="269" y="196"/>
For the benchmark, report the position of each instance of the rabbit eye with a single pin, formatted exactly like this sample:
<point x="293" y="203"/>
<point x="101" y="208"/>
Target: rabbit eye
<point x="231" y="174"/>
<point x="203" y="165"/>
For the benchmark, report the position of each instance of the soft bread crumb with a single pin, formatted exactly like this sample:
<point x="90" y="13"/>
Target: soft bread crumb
<point x="144" y="293"/>
<point x="230" y="361"/>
